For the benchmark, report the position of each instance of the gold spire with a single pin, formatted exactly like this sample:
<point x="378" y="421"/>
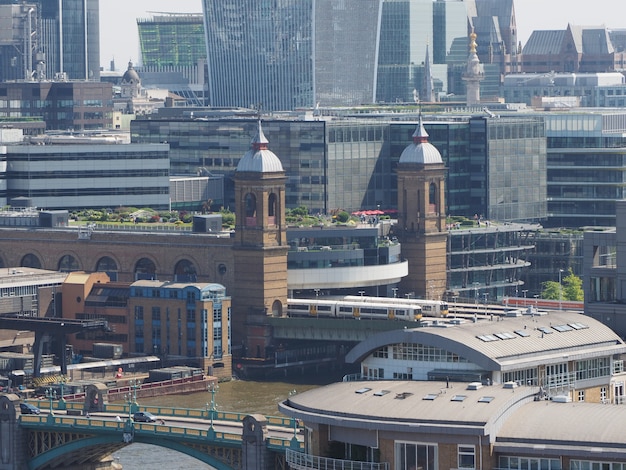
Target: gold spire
<point x="473" y="44"/>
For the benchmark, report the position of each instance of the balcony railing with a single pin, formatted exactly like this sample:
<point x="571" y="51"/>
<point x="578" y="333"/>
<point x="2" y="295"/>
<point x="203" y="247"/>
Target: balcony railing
<point x="299" y="460"/>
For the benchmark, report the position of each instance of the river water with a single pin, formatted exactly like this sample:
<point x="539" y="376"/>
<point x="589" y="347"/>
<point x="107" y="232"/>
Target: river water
<point x="236" y="395"/>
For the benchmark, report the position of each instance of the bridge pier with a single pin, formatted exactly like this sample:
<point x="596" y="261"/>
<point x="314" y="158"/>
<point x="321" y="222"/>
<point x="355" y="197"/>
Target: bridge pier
<point x="12" y="440"/>
<point x="255" y="455"/>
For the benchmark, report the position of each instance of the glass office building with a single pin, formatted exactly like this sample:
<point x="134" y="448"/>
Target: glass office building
<point x="70" y="38"/>
<point x="288" y="54"/>
<point x="586" y="161"/>
<point x="171" y="39"/>
<point x="450" y="38"/>
<point x="496" y="167"/>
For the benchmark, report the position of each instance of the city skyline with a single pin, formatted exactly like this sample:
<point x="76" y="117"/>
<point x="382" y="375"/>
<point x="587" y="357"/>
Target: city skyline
<point x="119" y="40"/>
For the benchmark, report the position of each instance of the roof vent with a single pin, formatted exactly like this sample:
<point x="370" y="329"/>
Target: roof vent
<point x="509" y="385"/>
<point x="474" y="386"/>
<point x="562" y="399"/>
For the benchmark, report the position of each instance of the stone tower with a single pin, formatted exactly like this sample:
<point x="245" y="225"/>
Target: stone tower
<point x="421" y="216"/>
<point x="474" y="74"/>
<point x="260" y="247"/>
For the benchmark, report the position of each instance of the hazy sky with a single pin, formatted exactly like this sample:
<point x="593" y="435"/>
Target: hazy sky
<point x="118" y="26"/>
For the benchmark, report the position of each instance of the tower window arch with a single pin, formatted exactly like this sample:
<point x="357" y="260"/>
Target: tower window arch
<point x="250" y="209"/>
<point x="432" y="198"/>
<point x="272" y="208"/>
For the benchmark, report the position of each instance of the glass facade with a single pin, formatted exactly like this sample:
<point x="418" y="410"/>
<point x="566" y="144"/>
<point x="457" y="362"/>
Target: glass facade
<point x="450" y="42"/>
<point x="586" y="161"/>
<point x="171" y="40"/>
<point x="70" y="38"/>
<point x="350" y="164"/>
<point x="288" y="54"/>
<point x="89" y="176"/>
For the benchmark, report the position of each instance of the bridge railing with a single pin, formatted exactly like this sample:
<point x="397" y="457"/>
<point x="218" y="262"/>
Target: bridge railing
<point x="96" y="425"/>
<point x="299" y="460"/>
<point x="122" y="410"/>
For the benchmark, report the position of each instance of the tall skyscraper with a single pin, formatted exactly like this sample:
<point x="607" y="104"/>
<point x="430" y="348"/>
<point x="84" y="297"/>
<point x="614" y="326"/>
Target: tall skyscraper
<point x="286" y="54"/>
<point x="70" y="38"/>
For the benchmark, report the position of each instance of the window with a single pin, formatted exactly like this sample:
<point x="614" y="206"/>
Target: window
<point x="467" y="456"/>
<point x="603" y="394"/>
<point x="411" y="456"/>
<point x="581" y="395"/>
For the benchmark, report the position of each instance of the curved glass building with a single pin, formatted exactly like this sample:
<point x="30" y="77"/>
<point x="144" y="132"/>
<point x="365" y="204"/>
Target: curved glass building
<point x="288" y="54"/>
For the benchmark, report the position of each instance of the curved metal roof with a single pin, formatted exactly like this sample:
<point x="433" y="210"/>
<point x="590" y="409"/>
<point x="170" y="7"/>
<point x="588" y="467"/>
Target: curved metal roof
<point x="510" y="344"/>
<point x="421" y="151"/>
<point x="259" y="159"/>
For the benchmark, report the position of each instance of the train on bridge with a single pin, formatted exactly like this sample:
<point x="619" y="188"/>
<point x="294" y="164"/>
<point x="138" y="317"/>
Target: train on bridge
<point x="361" y="307"/>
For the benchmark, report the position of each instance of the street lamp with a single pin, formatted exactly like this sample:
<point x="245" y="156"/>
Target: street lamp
<point x="560" y="290"/>
<point x="395" y="292"/>
<point x="212" y="389"/>
<point x="525" y="291"/>
<point x="51" y="394"/>
<point x="294" y="439"/>
<point x="476" y="284"/>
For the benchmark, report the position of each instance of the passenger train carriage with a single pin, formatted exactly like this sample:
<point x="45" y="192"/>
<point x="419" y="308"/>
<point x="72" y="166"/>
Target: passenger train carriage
<point x="327" y="308"/>
<point x="430" y="308"/>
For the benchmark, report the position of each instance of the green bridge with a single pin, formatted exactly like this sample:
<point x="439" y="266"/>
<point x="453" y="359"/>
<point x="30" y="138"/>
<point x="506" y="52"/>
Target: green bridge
<point x="63" y="436"/>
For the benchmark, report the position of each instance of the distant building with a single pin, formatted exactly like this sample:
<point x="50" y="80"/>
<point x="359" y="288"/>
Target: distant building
<point x="176" y="65"/>
<point x="67" y="172"/>
<point x="63" y="105"/>
<point x="63" y="40"/>
<point x="577" y="49"/>
<point x="294" y="56"/>
<point x="604" y="276"/>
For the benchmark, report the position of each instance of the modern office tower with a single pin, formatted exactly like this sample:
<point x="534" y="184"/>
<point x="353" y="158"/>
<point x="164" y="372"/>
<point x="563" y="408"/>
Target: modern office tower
<point x="18" y="40"/>
<point x="495" y="24"/>
<point x="171" y="39"/>
<point x="405" y="31"/>
<point x="585" y="167"/>
<point x="64" y="38"/>
<point x="495" y="166"/>
<point x="173" y="54"/>
<point x="449" y="32"/>
<point x="69" y="38"/>
<point x="288" y="54"/>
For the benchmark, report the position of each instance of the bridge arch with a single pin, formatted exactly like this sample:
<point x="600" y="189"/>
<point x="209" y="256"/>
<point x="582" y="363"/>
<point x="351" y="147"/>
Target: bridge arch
<point x="97" y="448"/>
